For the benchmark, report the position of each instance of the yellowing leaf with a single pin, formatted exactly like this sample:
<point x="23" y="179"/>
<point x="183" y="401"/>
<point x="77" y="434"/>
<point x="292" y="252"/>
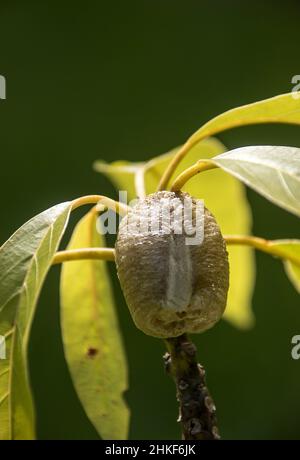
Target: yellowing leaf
<point x="24" y="262"/>
<point x="223" y="195"/>
<point x="92" y="338"/>
<point x="280" y="109"/>
<point x="293" y="272"/>
<point x="292" y="249"/>
<point x="121" y="174"/>
<point x="272" y="171"/>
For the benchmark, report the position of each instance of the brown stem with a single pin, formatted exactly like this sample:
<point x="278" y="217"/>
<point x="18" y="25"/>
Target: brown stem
<point x="197" y="412"/>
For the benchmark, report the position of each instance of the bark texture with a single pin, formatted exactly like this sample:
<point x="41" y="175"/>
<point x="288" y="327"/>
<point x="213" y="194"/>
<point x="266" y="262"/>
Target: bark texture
<point x="197" y="411"/>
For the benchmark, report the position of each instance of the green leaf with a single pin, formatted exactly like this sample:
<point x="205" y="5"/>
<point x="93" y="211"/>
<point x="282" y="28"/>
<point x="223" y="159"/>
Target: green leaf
<point x="24" y="262"/>
<point x="290" y="248"/>
<point x="272" y="171"/>
<point x="223" y="195"/>
<point x="92" y="338"/>
<point x="280" y="109"/>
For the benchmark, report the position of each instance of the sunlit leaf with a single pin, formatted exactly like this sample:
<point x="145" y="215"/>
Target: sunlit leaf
<point x="92" y="338"/>
<point x="121" y="174"/>
<point x="223" y="195"/>
<point x="292" y="249"/>
<point x="272" y="171"/>
<point x="280" y="109"/>
<point x="24" y="262"/>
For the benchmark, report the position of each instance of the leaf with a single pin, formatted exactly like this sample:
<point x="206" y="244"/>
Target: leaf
<point x="24" y="262"/>
<point x="219" y="191"/>
<point x="121" y="174"/>
<point x="280" y="109"/>
<point x="292" y="249"/>
<point x="92" y="338"/>
<point x="293" y="273"/>
<point x="272" y="171"/>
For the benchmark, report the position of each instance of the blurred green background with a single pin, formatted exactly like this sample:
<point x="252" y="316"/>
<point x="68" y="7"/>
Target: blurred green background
<point x="129" y="80"/>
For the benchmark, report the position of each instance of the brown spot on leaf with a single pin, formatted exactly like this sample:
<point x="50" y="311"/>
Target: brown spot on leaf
<point x="92" y="352"/>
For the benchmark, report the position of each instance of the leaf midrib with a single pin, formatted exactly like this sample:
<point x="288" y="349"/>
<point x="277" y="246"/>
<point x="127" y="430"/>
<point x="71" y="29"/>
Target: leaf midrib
<point x="257" y="163"/>
<point x="9" y="395"/>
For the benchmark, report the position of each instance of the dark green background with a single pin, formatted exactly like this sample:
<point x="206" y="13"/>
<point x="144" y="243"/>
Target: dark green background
<point x="131" y="79"/>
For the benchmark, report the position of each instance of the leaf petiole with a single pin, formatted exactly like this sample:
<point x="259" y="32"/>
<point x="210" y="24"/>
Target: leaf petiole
<point x="187" y="174"/>
<point x="118" y="207"/>
<point x="263" y="245"/>
<point x="84" y="253"/>
<point x="280" y="109"/>
<point x="109" y="253"/>
<point x="173" y="165"/>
